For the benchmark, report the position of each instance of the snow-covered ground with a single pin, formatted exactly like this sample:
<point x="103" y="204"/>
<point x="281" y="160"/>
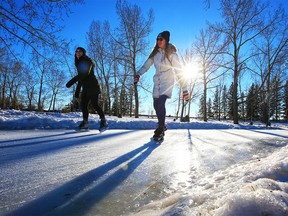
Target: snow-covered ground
<point x="212" y="168"/>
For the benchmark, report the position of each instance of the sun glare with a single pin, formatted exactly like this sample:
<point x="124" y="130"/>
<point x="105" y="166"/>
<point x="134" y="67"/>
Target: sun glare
<point x="191" y="70"/>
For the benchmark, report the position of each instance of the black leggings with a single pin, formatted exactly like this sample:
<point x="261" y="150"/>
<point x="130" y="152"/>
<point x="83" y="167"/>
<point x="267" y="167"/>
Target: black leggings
<point x="94" y="102"/>
<point x="159" y="106"/>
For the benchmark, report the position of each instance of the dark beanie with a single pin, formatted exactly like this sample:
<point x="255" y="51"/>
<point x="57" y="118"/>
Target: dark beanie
<point x="165" y="35"/>
<point x="82" y="49"/>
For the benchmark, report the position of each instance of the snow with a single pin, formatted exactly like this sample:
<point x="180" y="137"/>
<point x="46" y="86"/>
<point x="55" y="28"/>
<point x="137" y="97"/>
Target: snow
<point x="201" y="168"/>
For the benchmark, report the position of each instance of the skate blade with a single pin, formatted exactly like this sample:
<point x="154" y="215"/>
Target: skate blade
<point x="82" y="129"/>
<point x="159" y="139"/>
<point x="103" y="129"/>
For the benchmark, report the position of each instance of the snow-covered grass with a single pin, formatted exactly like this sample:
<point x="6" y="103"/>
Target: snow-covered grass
<point x="254" y="185"/>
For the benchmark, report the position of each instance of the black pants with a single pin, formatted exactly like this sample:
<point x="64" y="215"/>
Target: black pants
<point x="94" y="102"/>
<point x="159" y="106"/>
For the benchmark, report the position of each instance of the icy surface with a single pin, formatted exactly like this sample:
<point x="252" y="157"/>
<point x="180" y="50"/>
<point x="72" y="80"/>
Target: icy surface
<point x="47" y="168"/>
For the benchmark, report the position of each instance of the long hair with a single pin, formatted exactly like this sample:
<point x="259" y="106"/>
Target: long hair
<point x="76" y="60"/>
<point x="169" y="49"/>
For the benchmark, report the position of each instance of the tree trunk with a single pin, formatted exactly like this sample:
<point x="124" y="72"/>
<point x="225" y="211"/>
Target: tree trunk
<point x="205" y="98"/>
<point x="235" y="98"/>
<point x="136" y="101"/>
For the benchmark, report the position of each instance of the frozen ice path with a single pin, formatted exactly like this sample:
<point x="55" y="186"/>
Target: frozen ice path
<point x="118" y="172"/>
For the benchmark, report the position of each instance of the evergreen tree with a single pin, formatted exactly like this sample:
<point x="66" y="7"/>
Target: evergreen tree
<point x="230" y="101"/>
<point x="276" y="97"/>
<point x="224" y="102"/>
<point x="285" y="101"/>
<point x="257" y="105"/>
<point x="201" y="107"/>
<point x="209" y="108"/>
<point x="251" y="103"/>
<point x="242" y="106"/>
<point x="216" y="104"/>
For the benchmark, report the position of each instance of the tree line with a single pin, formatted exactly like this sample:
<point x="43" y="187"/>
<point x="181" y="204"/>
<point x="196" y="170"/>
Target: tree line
<point x="248" y="47"/>
<point x="252" y="105"/>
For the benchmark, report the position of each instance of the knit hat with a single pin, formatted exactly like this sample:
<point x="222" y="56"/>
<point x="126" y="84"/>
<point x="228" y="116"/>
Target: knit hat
<point x="165" y="35"/>
<point x="82" y="49"/>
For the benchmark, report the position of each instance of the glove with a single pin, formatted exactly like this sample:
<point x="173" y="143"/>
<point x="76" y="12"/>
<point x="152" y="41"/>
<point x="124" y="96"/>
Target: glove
<point x="69" y="84"/>
<point x="136" y="79"/>
<point x="186" y="95"/>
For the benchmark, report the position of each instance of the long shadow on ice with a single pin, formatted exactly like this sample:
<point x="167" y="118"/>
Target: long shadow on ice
<point x="79" y="195"/>
<point x="47" y="146"/>
<point x="270" y="133"/>
<point x="8" y="145"/>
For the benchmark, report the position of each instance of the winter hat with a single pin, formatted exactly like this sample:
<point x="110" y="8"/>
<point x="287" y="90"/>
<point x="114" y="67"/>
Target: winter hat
<point x="82" y="49"/>
<point x="165" y="35"/>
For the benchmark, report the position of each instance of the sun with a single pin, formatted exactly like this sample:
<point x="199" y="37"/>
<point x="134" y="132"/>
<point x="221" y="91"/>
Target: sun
<point x="191" y="70"/>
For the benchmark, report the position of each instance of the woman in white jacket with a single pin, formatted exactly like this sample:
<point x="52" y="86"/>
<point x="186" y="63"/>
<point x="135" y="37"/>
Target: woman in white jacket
<point x="167" y="64"/>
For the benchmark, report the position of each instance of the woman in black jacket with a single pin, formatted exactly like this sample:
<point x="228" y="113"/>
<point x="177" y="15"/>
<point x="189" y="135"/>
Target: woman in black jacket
<point x="90" y="87"/>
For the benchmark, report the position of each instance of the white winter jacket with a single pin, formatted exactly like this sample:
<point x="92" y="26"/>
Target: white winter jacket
<point x="165" y="73"/>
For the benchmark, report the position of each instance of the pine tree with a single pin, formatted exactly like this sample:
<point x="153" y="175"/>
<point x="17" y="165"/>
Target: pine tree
<point x="216" y="104"/>
<point x="242" y="106"/>
<point x="209" y="108"/>
<point x="276" y="97"/>
<point x="230" y="101"/>
<point x="201" y="107"/>
<point x="285" y="101"/>
<point x="257" y="105"/>
<point x="224" y="102"/>
<point x="251" y="103"/>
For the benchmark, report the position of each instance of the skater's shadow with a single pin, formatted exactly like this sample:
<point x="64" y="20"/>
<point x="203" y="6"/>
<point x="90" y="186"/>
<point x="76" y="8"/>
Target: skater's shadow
<point x="88" y="189"/>
<point x="51" y="146"/>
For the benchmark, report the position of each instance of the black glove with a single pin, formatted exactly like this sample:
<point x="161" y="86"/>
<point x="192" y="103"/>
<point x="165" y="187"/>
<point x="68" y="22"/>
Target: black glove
<point x="69" y="83"/>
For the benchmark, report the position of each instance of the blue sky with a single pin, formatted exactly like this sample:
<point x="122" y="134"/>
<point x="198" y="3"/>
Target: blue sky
<point x="183" y="18"/>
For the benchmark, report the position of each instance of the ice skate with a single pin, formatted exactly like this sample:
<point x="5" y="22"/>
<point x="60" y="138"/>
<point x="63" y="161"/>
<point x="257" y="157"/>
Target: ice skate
<point x="103" y="125"/>
<point x="159" y="134"/>
<point x="83" y="125"/>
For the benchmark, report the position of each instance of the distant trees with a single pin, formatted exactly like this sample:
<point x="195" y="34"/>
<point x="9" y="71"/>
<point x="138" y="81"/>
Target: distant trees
<point x="256" y="39"/>
<point x="242" y="24"/>
<point x="131" y="38"/>
<point x="28" y="31"/>
<point x="271" y="54"/>
<point x="209" y="48"/>
<point x="251" y="104"/>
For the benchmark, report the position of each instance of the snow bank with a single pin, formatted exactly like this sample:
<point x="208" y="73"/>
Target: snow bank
<point x="19" y="120"/>
<point x="258" y="187"/>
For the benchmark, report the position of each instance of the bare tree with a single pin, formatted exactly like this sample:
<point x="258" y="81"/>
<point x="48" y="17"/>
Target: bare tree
<point x="29" y="84"/>
<point x="242" y="23"/>
<point x="4" y="84"/>
<point x="271" y="52"/>
<point x="32" y="24"/>
<point x="99" y="46"/>
<point x="41" y="68"/>
<point x="134" y="28"/>
<point x="55" y="82"/>
<point x="14" y="82"/>
<point x="209" y="47"/>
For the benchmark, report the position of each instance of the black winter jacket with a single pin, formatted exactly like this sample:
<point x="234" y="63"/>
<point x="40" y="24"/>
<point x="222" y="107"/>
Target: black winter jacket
<point x="85" y="78"/>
